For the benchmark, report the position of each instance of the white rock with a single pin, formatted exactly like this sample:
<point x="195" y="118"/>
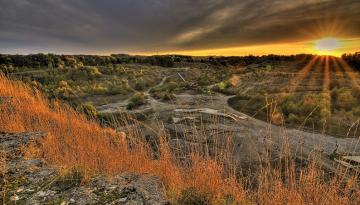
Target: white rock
<point x="112" y="187"/>
<point x="41" y="193"/>
<point x="14" y="198"/>
<point x="29" y="190"/>
<point x="19" y="190"/>
<point x="123" y="199"/>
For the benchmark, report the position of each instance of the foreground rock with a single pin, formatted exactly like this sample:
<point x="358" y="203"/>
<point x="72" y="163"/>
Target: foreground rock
<point x="32" y="181"/>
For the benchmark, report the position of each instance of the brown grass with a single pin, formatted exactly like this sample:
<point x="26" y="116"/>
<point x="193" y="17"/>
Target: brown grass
<point x="73" y="141"/>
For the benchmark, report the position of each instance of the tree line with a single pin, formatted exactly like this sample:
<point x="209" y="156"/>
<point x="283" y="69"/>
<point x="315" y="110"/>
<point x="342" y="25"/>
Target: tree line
<point x="353" y="60"/>
<point x="59" y="61"/>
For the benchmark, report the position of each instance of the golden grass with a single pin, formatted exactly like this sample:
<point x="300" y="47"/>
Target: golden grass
<point x="73" y="141"/>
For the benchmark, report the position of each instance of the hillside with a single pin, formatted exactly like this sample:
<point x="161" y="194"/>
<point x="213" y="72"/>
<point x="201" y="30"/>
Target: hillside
<point x="194" y="143"/>
<point x="312" y="93"/>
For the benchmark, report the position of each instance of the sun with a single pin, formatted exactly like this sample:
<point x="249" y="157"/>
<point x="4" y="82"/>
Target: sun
<point x="327" y="45"/>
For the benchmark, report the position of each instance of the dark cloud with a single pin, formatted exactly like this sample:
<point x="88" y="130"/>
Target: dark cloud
<point x="92" y="26"/>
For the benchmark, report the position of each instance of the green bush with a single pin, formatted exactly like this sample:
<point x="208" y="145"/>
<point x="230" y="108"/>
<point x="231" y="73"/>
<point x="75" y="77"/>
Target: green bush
<point x="136" y="100"/>
<point x="63" y="90"/>
<point x="93" y="71"/>
<point x="289" y="107"/>
<point x="89" y="109"/>
<point x="166" y="91"/>
<point x="171" y="86"/>
<point x="99" y="89"/>
<point x="114" y="89"/>
<point x="293" y="119"/>
<point x="140" y="85"/>
<point x="222" y="85"/>
<point x="345" y="99"/>
<point x="84" y="73"/>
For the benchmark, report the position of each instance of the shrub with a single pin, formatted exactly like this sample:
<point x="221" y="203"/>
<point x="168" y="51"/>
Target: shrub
<point x="143" y="83"/>
<point x="293" y="119"/>
<point x="84" y="73"/>
<point x="168" y="96"/>
<point x="140" y="85"/>
<point x="222" y="85"/>
<point x="114" y="89"/>
<point x="166" y="91"/>
<point x="345" y="99"/>
<point x="93" y="71"/>
<point x="88" y="109"/>
<point x="63" y="84"/>
<point x="170" y="86"/>
<point x="225" y="87"/>
<point x="64" y="90"/>
<point x="98" y="89"/>
<point x="136" y="100"/>
<point x="289" y="107"/>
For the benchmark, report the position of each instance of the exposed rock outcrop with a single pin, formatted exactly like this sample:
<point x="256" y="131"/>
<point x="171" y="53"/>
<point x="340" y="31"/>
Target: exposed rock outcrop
<point x="32" y="181"/>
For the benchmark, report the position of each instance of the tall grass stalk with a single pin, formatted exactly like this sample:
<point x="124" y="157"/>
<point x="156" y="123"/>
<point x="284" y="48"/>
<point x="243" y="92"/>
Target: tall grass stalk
<point x="74" y="141"/>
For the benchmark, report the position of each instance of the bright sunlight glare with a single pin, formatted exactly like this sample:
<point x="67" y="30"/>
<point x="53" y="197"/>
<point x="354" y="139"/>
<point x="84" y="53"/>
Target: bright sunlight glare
<point x="327" y="44"/>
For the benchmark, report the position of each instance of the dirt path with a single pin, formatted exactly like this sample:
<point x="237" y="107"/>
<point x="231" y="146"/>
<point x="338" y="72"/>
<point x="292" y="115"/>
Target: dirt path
<point x="252" y="136"/>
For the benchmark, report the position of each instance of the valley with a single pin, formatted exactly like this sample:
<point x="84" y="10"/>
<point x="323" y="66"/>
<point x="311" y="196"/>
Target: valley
<point x="243" y="114"/>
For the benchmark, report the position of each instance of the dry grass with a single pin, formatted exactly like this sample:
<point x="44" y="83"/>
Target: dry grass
<point x="73" y="141"/>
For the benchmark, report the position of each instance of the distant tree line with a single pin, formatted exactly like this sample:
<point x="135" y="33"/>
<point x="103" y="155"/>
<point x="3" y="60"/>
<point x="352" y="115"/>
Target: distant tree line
<point x="353" y="60"/>
<point x="251" y="59"/>
<point x="59" y="61"/>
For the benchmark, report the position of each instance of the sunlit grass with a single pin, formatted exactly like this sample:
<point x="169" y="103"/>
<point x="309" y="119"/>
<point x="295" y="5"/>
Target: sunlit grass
<point x="73" y="141"/>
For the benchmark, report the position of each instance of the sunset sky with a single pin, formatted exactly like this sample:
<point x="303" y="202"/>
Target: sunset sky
<point x="194" y="27"/>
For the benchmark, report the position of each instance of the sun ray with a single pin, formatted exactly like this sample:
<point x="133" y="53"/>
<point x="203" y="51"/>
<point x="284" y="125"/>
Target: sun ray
<point x="326" y="82"/>
<point x="316" y="73"/>
<point x="338" y="71"/>
<point x="302" y="74"/>
<point x="326" y="85"/>
<point x="350" y="73"/>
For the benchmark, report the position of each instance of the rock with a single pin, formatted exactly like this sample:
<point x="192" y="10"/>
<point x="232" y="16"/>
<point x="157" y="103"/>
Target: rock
<point x="14" y="198"/>
<point x="34" y="162"/>
<point x="41" y="194"/>
<point x="35" y="182"/>
<point x="123" y="199"/>
<point x="20" y="190"/>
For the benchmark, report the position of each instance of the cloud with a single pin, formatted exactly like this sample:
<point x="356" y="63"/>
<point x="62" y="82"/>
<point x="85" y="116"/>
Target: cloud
<point x="112" y="26"/>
